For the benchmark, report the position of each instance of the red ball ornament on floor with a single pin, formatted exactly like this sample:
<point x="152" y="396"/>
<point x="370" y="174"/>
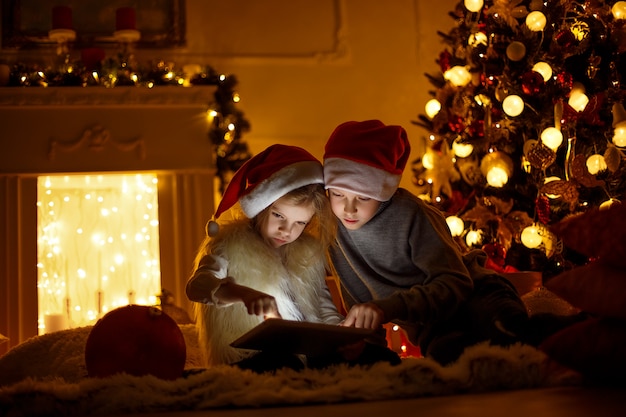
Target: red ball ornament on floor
<point x="137" y="340"/>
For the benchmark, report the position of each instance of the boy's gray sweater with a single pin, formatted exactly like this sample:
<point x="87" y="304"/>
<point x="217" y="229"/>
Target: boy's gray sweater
<point x="405" y="261"/>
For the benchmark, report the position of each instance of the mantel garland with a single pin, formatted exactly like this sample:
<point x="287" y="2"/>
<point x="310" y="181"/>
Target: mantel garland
<point x="227" y="122"/>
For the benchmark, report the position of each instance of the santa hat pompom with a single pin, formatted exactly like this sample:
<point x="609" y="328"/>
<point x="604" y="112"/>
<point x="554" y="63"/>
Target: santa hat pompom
<point x="212" y="228"/>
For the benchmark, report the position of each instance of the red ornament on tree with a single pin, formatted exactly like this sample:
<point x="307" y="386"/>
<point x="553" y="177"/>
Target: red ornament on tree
<point x="565" y="80"/>
<point x="137" y="340"/>
<point x="565" y="39"/>
<point x="532" y="83"/>
<point x="543" y="209"/>
<point x="444" y="61"/>
<point x="496" y="253"/>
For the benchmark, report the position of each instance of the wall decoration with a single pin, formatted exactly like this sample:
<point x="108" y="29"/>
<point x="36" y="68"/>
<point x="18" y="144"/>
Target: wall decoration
<point x="26" y="23"/>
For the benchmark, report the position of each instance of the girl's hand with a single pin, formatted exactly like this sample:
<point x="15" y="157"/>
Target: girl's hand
<point x="257" y="303"/>
<point x="366" y="315"/>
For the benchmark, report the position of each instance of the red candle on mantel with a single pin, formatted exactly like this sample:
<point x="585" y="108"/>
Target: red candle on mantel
<point x="62" y="17"/>
<point x="125" y="18"/>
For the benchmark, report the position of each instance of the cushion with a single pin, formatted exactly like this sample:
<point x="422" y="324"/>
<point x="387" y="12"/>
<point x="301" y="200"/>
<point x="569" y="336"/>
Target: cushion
<point x="596" y="233"/>
<point x="593" y="347"/>
<point x="596" y="288"/>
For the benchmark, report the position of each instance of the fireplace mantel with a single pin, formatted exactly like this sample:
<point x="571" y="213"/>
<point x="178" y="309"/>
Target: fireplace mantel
<point x="164" y="96"/>
<point x="58" y="130"/>
<point x="85" y="129"/>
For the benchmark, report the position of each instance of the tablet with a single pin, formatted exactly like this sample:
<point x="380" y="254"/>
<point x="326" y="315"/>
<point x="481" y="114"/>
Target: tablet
<point x="311" y="339"/>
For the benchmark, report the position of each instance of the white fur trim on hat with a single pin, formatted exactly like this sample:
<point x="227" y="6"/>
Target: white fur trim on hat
<point x="358" y="178"/>
<point x="280" y="183"/>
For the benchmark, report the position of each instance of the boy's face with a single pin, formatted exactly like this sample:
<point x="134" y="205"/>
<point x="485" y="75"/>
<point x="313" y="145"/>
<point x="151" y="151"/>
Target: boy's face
<point x="286" y="222"/>
<point x="353" y="210"/>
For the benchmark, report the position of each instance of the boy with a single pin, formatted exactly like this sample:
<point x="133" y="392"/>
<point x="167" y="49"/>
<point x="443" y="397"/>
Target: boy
<point x="395" y="257"/>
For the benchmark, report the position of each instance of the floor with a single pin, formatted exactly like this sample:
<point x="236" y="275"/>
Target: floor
<point x="552" y="402"/>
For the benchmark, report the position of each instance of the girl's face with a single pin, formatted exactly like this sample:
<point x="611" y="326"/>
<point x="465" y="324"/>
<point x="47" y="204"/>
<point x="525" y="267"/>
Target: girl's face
<point x="353" y="210"/>
<point x="286" y="222"/>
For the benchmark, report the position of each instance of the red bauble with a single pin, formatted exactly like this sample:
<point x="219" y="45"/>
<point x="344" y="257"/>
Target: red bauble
<point x="496" y="253"/>
<point x="444" y="60"/>
<point x="137" y="340"/>
<point x="532" y="83"/>
<point x="565" y="80"/>
<point x="565" y="39"/>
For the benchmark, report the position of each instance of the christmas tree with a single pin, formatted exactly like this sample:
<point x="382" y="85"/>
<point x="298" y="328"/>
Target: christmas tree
<point x="527" y="125"/>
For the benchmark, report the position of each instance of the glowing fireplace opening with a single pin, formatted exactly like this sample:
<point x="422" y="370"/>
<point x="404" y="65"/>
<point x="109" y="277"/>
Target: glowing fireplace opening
<point x="81" y="133"/>
<point x="97" y="246"/>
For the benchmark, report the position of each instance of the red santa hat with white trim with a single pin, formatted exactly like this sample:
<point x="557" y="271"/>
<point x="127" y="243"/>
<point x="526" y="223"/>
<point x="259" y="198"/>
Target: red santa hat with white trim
<point x="366" y="158"/>
<point x="265" y="178"/>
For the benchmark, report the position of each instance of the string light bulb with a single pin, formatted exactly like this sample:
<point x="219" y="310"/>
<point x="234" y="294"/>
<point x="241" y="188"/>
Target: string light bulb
<point x="474" y="237"/>
<point x="608" y="203"/>
<point x="513" y="105"/>
<point x="552" y="138"/>
<point x="596" y="164"/>
<point x="497" y="167"/>
<point x="462" y="150"/>
<point x="544" y="69"/>
<point x="531" y="237"/>
<point x="578" y="101"/>
<point x="619" y="10"/>
<point x="459" y="76"/>
<point x="619" y="135"/>
<point x="577" y="98"/>
<point x="433" y="106"/>
<point x="456" y="225"/>
<point x="619" y="124"/>
<point x="477" y="39"/>
<point x="473" y="5"/>
<point x="428" y="160"/>
<point x="536" y="21"/>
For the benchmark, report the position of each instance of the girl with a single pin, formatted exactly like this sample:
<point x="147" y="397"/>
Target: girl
<point x="268" y="262"/>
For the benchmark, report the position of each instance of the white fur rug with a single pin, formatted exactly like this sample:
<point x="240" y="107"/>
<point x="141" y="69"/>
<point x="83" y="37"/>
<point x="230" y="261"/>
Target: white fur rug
<point x="46" y="376"/>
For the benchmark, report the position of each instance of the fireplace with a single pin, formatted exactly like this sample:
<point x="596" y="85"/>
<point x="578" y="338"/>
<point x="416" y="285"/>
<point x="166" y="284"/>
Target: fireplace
<point x="159" y="132"/>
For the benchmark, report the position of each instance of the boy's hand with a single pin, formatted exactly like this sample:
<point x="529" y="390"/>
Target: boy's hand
<point x="366" y="315"/>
